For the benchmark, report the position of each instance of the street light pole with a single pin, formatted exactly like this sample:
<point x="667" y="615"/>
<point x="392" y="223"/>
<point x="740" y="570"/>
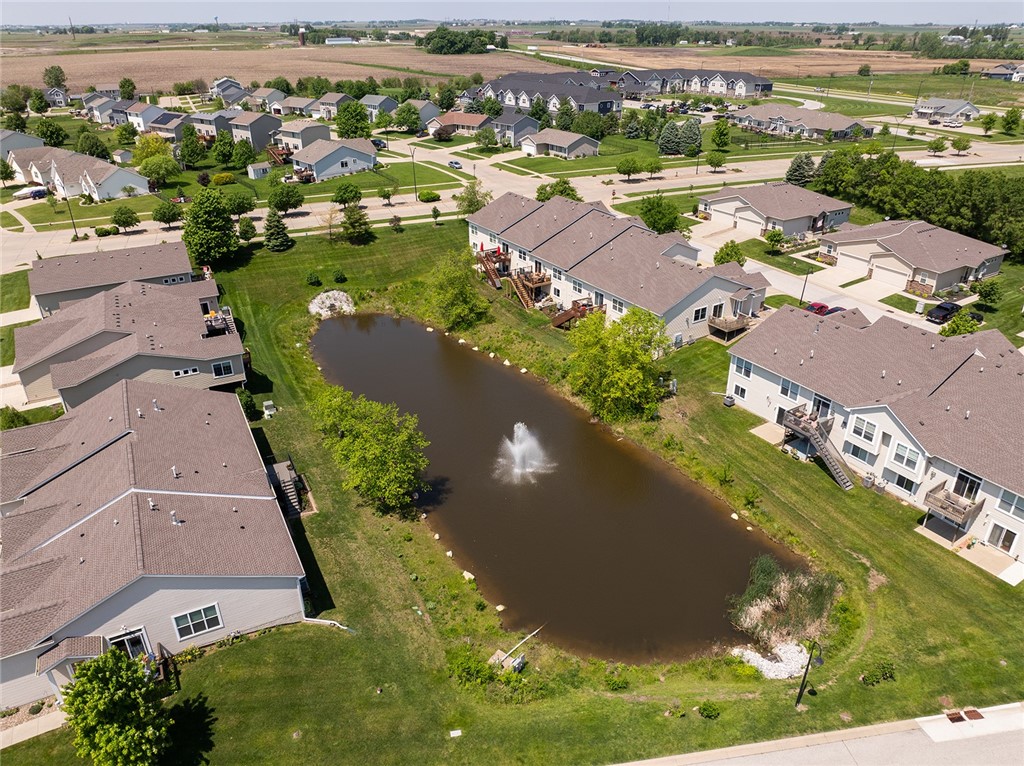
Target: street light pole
<point x="73" y="224"/>
<point x="415" y="191"/>
<point x="804" y="288"/>
<point x="807" y="667"/>
<point x="899" y="122"/>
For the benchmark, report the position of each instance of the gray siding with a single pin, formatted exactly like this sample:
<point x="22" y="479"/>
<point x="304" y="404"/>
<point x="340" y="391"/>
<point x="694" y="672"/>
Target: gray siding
<point x="36" y="379"/>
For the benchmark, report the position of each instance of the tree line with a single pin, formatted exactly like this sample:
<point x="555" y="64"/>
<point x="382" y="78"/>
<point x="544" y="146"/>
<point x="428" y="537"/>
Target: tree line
<point x="655" y="34"/>
<point x="445" y="41"/>
<point x="984" y="204"/>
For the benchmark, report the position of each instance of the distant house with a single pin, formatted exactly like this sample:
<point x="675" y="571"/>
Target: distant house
<point x="68" y="278"/>
<point x="57" y="97"/>
<point x="463" y="123"/>
<point x="293" y="105"/>
<point x="118" y="114"/>
<point x="946" y="109"/>
<point x="559" y="143"/>
<point x="143" y="519"/>
<point x="297" y="134"/>
<point x="911" y="255"/>
<point x="169" y="125"/>
<point x="581" y="258"/>
<point x="262" y="98"/>
<point x="99" y="109"/>
<point x="12" y="139"/>
<point x="254" y="127"/>
<point x="512" y="128"/>
<point x="70" y="174"/>
<point x="805" y="123"/>
<point x="122" y="156"/>
<point x="173" y="334"/>
<point x="258" y="170"/>
<point x="109" y="89"/>
<point x="328" y="159"/>
<point x="208" y="124"/>
<point x="636" y="82"/>
<point x="377" y="104"/>
<point x="428" y="110"/>
<point x="229" y="90"/>
<point x="141" y="115"/>
<point x="757" y="209"/>
<point x="327" y="106"/>
<point x="1001" y="71"/>
<point x="521" y="89"/>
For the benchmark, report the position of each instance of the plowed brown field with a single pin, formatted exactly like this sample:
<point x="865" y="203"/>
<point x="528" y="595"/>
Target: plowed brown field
<point x="155" y="69"/>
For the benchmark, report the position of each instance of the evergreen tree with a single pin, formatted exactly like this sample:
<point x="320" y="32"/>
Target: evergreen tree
<point x="670" y="142"/>
<point x="801" y="170"/>
<point x="192" y="150"/>
<point x="275" y="233"/>
<point x="690" y="136"/>
<point x="355" y="226"/>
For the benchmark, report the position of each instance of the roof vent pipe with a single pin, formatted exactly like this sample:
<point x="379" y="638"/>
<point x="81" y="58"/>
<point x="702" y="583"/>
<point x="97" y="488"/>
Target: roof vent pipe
<point x="883" y="373"/>
<point x="152" y="505"/>
<point x="175" y="520"/>
<point x="156" y="407"/>
<point x="174" y="471"/>
<point x="967" y="416"/>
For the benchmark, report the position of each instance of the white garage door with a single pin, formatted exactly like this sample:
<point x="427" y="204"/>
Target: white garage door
<point x="847" y="261"/>
<point x="890" y="277"/>
<point x="746" y="221"/>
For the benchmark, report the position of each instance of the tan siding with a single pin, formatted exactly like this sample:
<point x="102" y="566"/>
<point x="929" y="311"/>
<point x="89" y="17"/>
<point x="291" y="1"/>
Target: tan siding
<point x="155" y="370"/>
<point x="36" y="379"/>
<point x="679" y="319"/>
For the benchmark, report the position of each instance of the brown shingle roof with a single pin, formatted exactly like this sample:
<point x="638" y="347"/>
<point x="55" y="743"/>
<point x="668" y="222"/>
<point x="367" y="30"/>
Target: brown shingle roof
<point x="811" y="118"/>
<point x="921" y="244"/>
<point x="924" y="374"/>
<point x="87" y="529"/>
<point x="781" y="200"/>
<point x="322" y="148"/>
<point x="72" y="648"/>
<point x="554" y="137"/>
<point x="72" y="272"/>
<point x="462" y="118"/>
<point x="504" y="212"/>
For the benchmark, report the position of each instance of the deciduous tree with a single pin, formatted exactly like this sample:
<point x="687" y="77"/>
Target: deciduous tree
<point x="124" y="218"/>
<point x="347" y="194"/>
<point x="716" y="160"/>
<point x="246" y="229"/>
<point x="209" y="234"/>
<point x="150" y="145"/>
<point x="774" y="238"/>
<point x="285" y="197"/>
<point x="238" y="203"/>
<point x="89" y="143"/>
<point x="565" y="115"/>
<point x="937" y="145"/>
<point x="242" y="155"/>
<point x="988" y="122"/>
<point x="223" y="147"/>
<point x="167" y="213"/>
<point x="961" y="144"/>
<point x="659" y="214"/>
<point x="192" y="150"/>
<point x="730" y="252"/>
<point x="352" y="120"/>
<point x="126" y="133"/>
<point x="453" y="297"/>
<point x="589" y="124"/>
<point x="486" y="138"/>
<point x="472" y="198"/>
<point x="613" y="368"/>
<point x="113" y="707"/>
<point x="51" y="132"/>
<point x="54" y="77"/>
<point x="561" y="188"/>
<point x="6" y="171"/>
<point x="961" y="323"/>
<point x="127" y="88"/>
<point x="407" y="117"/>
<point x="37" y="102"/>
<point x="492" y="107"/>
<point x="1011" y="120"/>
<point x="628" y="166"/>
<point x="159" y="169"/>
<point x="720" y="134"/>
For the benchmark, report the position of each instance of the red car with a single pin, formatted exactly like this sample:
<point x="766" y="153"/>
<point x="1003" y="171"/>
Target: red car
<point x="816" y="308"/>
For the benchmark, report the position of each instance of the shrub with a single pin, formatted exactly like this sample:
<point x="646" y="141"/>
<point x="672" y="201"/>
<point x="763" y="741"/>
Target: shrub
<point x="203" y="179"/>
<point x="467" y="669"/>
<point x="614" y="683"/>
<point x="249" y="408"/>
<point x="221" y="179"/>
<point x="313" y="279"/>
<point x="189" y="654"/>
<point x="339" y="276"/>
<point x="882" y="671"/>
<point x="429" y="196"/>
<point x="8" y="712"/>
<point x="36" y="709"/>
<point x="234" y="638"/>
<point x="709" y="710"/>
<point x="105" y="231"/>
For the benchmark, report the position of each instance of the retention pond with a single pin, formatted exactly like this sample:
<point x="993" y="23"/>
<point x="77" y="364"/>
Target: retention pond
<point x="614" y="552"/>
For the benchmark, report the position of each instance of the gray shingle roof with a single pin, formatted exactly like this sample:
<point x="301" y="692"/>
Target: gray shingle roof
<point x="322" y="148"/>
<point x="924" y="374"/>
<point x="554" y="137"/>
<point x="920" y="244"/>
<point x="114" y="267"/>
<point x="782" y="201"/>
<point x="794" y="115"/>
<point x="87" y="530"/>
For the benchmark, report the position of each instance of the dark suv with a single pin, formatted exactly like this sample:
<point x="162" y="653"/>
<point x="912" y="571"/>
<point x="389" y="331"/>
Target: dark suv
<point x="943" y="312"/>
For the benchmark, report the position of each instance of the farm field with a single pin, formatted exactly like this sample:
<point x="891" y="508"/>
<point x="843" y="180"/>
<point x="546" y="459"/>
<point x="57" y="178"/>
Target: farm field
<point x="980" y="91"/>
<point x="158" y="69"/>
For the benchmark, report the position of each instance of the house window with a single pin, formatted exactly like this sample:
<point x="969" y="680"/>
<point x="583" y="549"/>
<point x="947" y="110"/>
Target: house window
<point x="186" y="371"/>
<point x="717" y="309"/>
<point x="617" y="306"/>
<point x="863" y="429"/>
<point x="701" y="314"/>
<point x="829" y="248"/>
<point x="923" y="277"/>
<point x="133" y="643"/>
<point x="199" y="621"/>
<point x="860" y="453"/>
<point x="906" y="456"/>
<point x="907" y="485"/>
<point x="1012" y="504"/>
<point x="577" y="286"/>
<point x="556" y="274"/>
<point x="742" y="367"/>
<point x="223" y="369"/>
<point x="739" y="391"/>
<point x="789" y="389"/>
<point x="558" y="292"/>
<point x="473" y="230"/>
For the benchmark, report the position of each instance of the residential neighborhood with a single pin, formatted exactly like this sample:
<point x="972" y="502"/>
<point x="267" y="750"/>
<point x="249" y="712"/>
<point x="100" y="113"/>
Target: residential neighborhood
<point x="363" y="384"/>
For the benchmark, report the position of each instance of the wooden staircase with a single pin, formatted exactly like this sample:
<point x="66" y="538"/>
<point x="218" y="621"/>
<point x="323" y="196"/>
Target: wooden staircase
<point x="493" y="279"/>
<point x="524" y="292"/>
<point x="817" y="434"/>
<point x="562" y="317"/>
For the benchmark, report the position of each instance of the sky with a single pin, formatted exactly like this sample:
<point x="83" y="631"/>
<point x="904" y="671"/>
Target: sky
<point x="236" y="11"/>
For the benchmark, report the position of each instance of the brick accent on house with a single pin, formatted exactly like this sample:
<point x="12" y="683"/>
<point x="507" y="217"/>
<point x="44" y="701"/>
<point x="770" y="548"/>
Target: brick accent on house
<point x="831" y="260"/>
<point x="918" y="287"/>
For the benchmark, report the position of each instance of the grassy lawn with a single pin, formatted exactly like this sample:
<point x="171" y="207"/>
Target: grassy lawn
<point x="1010" y="171"/>
<point x="989" y="92"/>
<point x="87" y="216"/>
<point x="7" y="192"/>
<point x="449" y="171"/>
<point x="14" y="293"/>
<point x="9" y="222"/>
<point x="7" y="341"/>
<point x="612" y="150"/>
<point x="905" y="303"/>
<point x="777" y="301"/>
<point x="457" y="140"/>
<point x="684" y="204"/>
<point x="1006" y="314"/>
<point x="306" y="694"/>
<point x="862" y="216"/>
<point x="853" y="282"/>
<point x="509" y="168"/>
<point x="757" y="249"/>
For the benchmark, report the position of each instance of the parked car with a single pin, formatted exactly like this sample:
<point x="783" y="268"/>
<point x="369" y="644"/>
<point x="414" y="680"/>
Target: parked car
<point x="934" y="121"/>
<point x="943" y="312"/>
<point x="37" y="194"/>
<point x="834" y="310"/>
<point x="817" y="308"/>
<point x="181" y="200"/>
<point x="378" y="143"/>
<point x="455" y="165"/>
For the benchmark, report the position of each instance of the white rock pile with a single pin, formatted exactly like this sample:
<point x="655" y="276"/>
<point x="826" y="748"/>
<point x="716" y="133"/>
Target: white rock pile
<point x="786" y="660"/>
<point x="331" y="303"/>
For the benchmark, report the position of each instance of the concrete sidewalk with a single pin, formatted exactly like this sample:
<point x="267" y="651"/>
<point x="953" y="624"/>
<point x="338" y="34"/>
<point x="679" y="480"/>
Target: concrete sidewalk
<point x="995" y="740"/>
<point x="32" y="728"/>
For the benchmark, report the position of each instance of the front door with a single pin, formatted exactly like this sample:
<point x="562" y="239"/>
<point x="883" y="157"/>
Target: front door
<point x="598" y="299"/>
<point x="821" y="406"/>
<point x="1002" y="538"/>
<point x="967" y="486"/>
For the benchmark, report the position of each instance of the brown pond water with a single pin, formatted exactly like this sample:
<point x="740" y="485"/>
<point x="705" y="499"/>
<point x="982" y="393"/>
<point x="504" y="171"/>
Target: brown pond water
<point x="616" y="554"/>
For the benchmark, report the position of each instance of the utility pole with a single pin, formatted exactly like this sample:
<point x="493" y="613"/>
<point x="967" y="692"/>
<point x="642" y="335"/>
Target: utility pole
<point x="71" y="27"/>
<point x="73" y="224"/>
